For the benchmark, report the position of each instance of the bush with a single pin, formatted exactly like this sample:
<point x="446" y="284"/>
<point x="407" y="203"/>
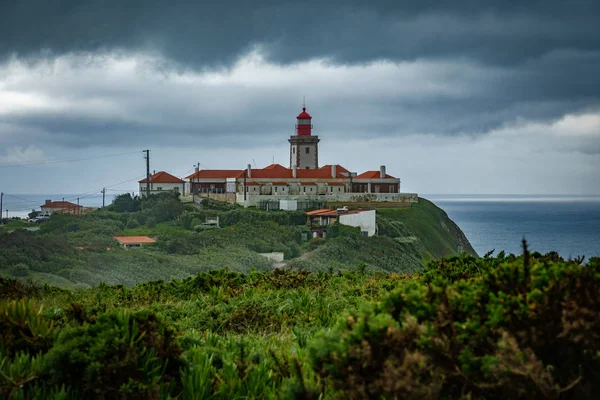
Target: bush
<point x="517" y="331"/>
<point x="151" y="222"/>
<point x="24" y="328"/>
<point x="126" y="203"/>
<point x="20" y="270"/>
<point x="132" y="223"/>
<point x="117" y="356"/>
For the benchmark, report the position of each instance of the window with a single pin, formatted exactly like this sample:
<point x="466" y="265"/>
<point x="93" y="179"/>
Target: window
<point x="307" y="150"/>
<point x="311" y="189"/>
<point x="276" y="188"/>
<point x="304" y="188"/>
<point x="159" y="188"/>
<point x="293" y="150"/>
<point x="339" y="189"/>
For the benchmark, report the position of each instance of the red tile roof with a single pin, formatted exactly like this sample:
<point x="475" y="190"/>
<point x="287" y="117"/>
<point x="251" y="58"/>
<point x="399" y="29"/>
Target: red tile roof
<point x="60" y="204"/>
<point x="252" y="183"/>
<point x="217" y="174"/>
<point x="308" y="183"/>
<point x="275" y="166"/>
<point x="279" y="183"/>
<point x="336" y="183"/>
<point x="339" y="168"/>
<point x="326" y="212"/>
<point x="373" y="175"/>
<point x="134" y="239"/>
<point x="163" y="177"/>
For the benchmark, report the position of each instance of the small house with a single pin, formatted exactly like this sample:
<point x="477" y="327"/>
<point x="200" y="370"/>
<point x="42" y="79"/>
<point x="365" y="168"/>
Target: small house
<point x="134" y="241"/>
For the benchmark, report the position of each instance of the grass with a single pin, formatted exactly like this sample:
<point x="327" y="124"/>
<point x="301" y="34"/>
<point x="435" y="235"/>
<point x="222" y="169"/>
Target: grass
<point x="17" y="224"/>
<point x="159" y="229"/>
<point x="439" y="235"/>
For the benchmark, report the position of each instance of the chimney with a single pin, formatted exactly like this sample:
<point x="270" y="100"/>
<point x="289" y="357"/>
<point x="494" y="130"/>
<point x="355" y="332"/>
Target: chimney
<point x="294" y="170"/>
<point x="196" y="170"/>
<point x="382" y="172"/>
<point x="333" y="171"/>
<point x="249" y="171"/>
<point x="48" y="202"/>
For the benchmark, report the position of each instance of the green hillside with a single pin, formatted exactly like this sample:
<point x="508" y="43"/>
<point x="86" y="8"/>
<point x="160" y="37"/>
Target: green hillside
<point x="79" y="251"/>
<point x="428" y="224"/>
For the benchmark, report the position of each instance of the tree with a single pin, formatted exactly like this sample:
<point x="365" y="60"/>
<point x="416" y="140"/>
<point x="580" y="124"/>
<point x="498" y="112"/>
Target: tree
<point x="126" y="203"/>
<point x="33" y="214"/>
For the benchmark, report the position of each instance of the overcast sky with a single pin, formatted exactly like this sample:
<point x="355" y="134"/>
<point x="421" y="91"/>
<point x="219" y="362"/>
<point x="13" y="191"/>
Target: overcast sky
<point x="461" y="97"/>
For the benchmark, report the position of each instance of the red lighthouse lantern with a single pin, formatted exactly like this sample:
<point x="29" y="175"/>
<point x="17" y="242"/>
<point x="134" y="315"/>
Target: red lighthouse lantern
<point x="304" y="125"/>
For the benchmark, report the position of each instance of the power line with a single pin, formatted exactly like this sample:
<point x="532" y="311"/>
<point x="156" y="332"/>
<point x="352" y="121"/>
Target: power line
<point x="63" y="161"/>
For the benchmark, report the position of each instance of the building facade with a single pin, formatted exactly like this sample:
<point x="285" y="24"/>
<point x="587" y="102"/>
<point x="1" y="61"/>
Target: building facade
<point x="303" y="179"/>
<point x="65" y="207"/>
<point x="162" y="182"/>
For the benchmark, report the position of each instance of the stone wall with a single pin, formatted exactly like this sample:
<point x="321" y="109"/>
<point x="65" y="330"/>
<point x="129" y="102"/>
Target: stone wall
<point x="253" y="200"/>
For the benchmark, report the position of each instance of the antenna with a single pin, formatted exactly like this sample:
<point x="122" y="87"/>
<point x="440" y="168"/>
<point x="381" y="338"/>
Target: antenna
<point x="303" y="101"/>
<point x="254" y="162"/>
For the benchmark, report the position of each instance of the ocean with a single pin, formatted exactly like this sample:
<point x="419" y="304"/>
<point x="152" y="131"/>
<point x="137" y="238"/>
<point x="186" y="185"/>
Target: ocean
<point x="19" y="205"/>
<point x="567" y="224"/>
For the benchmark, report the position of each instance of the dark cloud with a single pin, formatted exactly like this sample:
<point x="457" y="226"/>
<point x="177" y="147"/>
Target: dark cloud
<point x="199" y="34"/>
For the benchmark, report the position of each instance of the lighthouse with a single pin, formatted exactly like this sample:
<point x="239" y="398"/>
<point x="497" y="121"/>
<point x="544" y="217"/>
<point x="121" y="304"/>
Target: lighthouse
<point x="304" y="146"/>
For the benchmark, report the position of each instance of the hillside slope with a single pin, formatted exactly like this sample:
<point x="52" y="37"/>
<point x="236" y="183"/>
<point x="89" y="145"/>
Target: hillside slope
<point x="409" y="237"/>
<point x="438" y="234"/>
<point x="74" y="252"/>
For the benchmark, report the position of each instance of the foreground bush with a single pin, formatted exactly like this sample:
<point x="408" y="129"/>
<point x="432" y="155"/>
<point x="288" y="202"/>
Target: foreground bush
<point x="482" y="328"/>
<point x="516" y="331"/>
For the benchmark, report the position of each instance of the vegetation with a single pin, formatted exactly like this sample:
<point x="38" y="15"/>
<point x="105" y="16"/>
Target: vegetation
<point x="491" y="327"/>
<point x="73" y="251"/>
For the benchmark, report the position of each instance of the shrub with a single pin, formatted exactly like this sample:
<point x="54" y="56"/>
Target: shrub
<point x="24" y="328"/>
<point x="118" y="355"/>
<point x="132" y="223"/>
<point x="516" y="331"/>
<point x="20" y="270"/>
<point x="151" y="222"/>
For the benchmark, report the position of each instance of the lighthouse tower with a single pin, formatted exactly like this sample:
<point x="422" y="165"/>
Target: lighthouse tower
<point x="304" y="147"/>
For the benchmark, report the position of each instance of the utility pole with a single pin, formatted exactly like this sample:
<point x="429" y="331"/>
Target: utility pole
<point x="147" y="157"/>
<point x="103" y="193"/>
<point x="78" y="209"/>
<point x="245" y="187"/>
<point x="1" y="199"/>
<point x="62" y="208"/>
<point x="192" y="188"/>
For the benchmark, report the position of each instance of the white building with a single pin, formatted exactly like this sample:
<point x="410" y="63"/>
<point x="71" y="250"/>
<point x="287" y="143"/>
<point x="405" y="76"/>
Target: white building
<point x="363" y="219"/>
<point x="161" y="182"/>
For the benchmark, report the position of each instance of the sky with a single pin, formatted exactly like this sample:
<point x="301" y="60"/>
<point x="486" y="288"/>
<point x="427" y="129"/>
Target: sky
<point x="460" y="97"/>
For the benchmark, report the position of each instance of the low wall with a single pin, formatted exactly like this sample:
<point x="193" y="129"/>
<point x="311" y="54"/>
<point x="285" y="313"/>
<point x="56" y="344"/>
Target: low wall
<point x="227" y="197"/>
<point x="252" y="200"/>
<point x="275" y="256"/>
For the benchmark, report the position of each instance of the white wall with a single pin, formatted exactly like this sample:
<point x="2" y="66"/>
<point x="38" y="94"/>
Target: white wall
<point x="289" y="205"/>
<point x="154" y="187"/>
<point x="365" y="220"/>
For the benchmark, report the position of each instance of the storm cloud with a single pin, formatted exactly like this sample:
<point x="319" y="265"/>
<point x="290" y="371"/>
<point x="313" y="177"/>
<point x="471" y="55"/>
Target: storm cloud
<point x="87" y="75"/>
